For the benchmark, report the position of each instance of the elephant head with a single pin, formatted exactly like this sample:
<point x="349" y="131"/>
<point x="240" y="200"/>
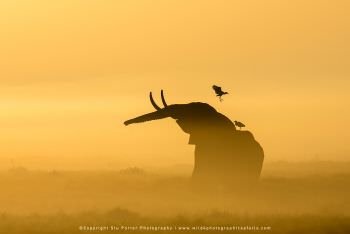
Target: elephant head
<point x="223" y="155"/>
<point x="198" y="119"/>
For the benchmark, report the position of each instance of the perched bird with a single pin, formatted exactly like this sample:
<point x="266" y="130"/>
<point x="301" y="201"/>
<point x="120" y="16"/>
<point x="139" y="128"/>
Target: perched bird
<point x="239" y="124"/>
<point x="219" y="92"/>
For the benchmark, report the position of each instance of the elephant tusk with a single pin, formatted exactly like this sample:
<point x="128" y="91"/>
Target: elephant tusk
<point x="163" y="99"/>
<point x="153" y="102"/>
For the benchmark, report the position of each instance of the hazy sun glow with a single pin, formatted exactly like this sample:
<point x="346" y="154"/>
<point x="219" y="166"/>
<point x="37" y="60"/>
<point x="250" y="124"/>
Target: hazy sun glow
<point x="73" y="71"/>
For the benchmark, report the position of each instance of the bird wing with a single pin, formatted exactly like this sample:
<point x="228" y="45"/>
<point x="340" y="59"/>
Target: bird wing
<point x="217" y="89"/>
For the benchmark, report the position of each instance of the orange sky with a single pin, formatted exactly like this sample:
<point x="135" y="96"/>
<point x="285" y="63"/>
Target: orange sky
<point x="73" y="71"/>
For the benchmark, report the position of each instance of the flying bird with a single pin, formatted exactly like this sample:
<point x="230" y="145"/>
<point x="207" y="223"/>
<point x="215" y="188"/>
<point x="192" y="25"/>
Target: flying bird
<point x="239" y="124"/>
<point x="219" y="92"/>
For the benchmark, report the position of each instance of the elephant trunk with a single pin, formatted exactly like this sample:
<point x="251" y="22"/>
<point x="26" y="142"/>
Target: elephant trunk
<point x="160" y="114"/>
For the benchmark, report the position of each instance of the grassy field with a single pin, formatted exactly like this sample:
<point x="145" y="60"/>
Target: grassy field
<point x="310" y="197"/>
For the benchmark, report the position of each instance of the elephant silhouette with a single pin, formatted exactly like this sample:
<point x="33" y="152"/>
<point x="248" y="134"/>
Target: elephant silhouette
<point x="224" y="156"/>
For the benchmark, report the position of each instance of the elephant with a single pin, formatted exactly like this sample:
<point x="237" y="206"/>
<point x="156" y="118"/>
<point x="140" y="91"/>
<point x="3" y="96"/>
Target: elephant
<point x="224" y="156"/>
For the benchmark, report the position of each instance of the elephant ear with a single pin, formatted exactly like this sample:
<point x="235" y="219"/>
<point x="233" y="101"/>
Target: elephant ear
<point x="148" y="117"/>
<point x="202" y="137"/>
